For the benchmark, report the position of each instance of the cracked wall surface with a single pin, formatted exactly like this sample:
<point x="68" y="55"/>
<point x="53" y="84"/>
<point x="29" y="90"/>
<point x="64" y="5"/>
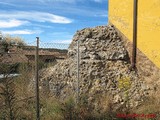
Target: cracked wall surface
<point x="121" y="15"/>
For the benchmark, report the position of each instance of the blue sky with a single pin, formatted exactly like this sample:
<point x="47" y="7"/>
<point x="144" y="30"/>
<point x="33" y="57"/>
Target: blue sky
<point x="51" y="20"/>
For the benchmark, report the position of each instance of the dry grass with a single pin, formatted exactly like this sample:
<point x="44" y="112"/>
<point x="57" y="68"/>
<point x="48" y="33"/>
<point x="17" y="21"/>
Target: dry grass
<point x="150" y="106"/>
<point x="51" y="109"/>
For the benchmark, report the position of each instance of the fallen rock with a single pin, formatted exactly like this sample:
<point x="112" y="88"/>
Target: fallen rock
<point x="104" y="62"/>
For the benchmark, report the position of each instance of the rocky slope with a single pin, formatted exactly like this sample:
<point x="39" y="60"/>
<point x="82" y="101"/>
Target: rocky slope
<point x="104" y="70"/>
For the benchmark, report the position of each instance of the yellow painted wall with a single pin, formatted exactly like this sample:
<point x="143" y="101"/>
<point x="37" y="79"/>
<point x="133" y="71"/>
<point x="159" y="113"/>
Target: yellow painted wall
<point x="121" y="15"/>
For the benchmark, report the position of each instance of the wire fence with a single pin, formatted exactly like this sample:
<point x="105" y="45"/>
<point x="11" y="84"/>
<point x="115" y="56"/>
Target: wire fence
<point x="22" y="63"/>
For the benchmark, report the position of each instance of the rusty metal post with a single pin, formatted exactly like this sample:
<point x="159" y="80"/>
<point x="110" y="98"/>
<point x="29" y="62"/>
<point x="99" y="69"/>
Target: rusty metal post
<point x="37" y="80"/>
<point x="134" y="51"/>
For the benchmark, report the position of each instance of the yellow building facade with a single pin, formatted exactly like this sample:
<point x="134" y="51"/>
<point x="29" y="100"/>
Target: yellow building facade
<point x="148" y="37"/>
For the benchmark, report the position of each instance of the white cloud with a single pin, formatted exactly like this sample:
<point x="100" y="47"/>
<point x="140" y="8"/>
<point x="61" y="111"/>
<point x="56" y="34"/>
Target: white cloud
<point x="65" y="41"/>
<point x="22" y="32"/>
<point x="11" y="23"/>
<point x="35" y="16"/>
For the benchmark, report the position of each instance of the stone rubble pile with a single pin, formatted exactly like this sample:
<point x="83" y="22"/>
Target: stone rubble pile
<point x="103" y="62"/>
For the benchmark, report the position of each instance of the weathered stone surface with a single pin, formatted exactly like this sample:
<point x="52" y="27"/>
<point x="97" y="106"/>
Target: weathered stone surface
<point x="103" y="62"/>
<point x="100" y="43"/>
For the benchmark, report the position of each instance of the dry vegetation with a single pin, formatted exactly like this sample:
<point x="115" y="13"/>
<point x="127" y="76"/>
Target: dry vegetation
<point x="53" y="109"/>
<point x="17" y="102"/>
<point x="150" y="106"/>
<point x="14" y="40"/>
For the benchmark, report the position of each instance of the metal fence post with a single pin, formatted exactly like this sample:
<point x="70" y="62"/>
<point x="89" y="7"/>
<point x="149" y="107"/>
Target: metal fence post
<point x="134" y="51"/>
<point x="77" y="72"/>
<point x="37" y="79"/>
